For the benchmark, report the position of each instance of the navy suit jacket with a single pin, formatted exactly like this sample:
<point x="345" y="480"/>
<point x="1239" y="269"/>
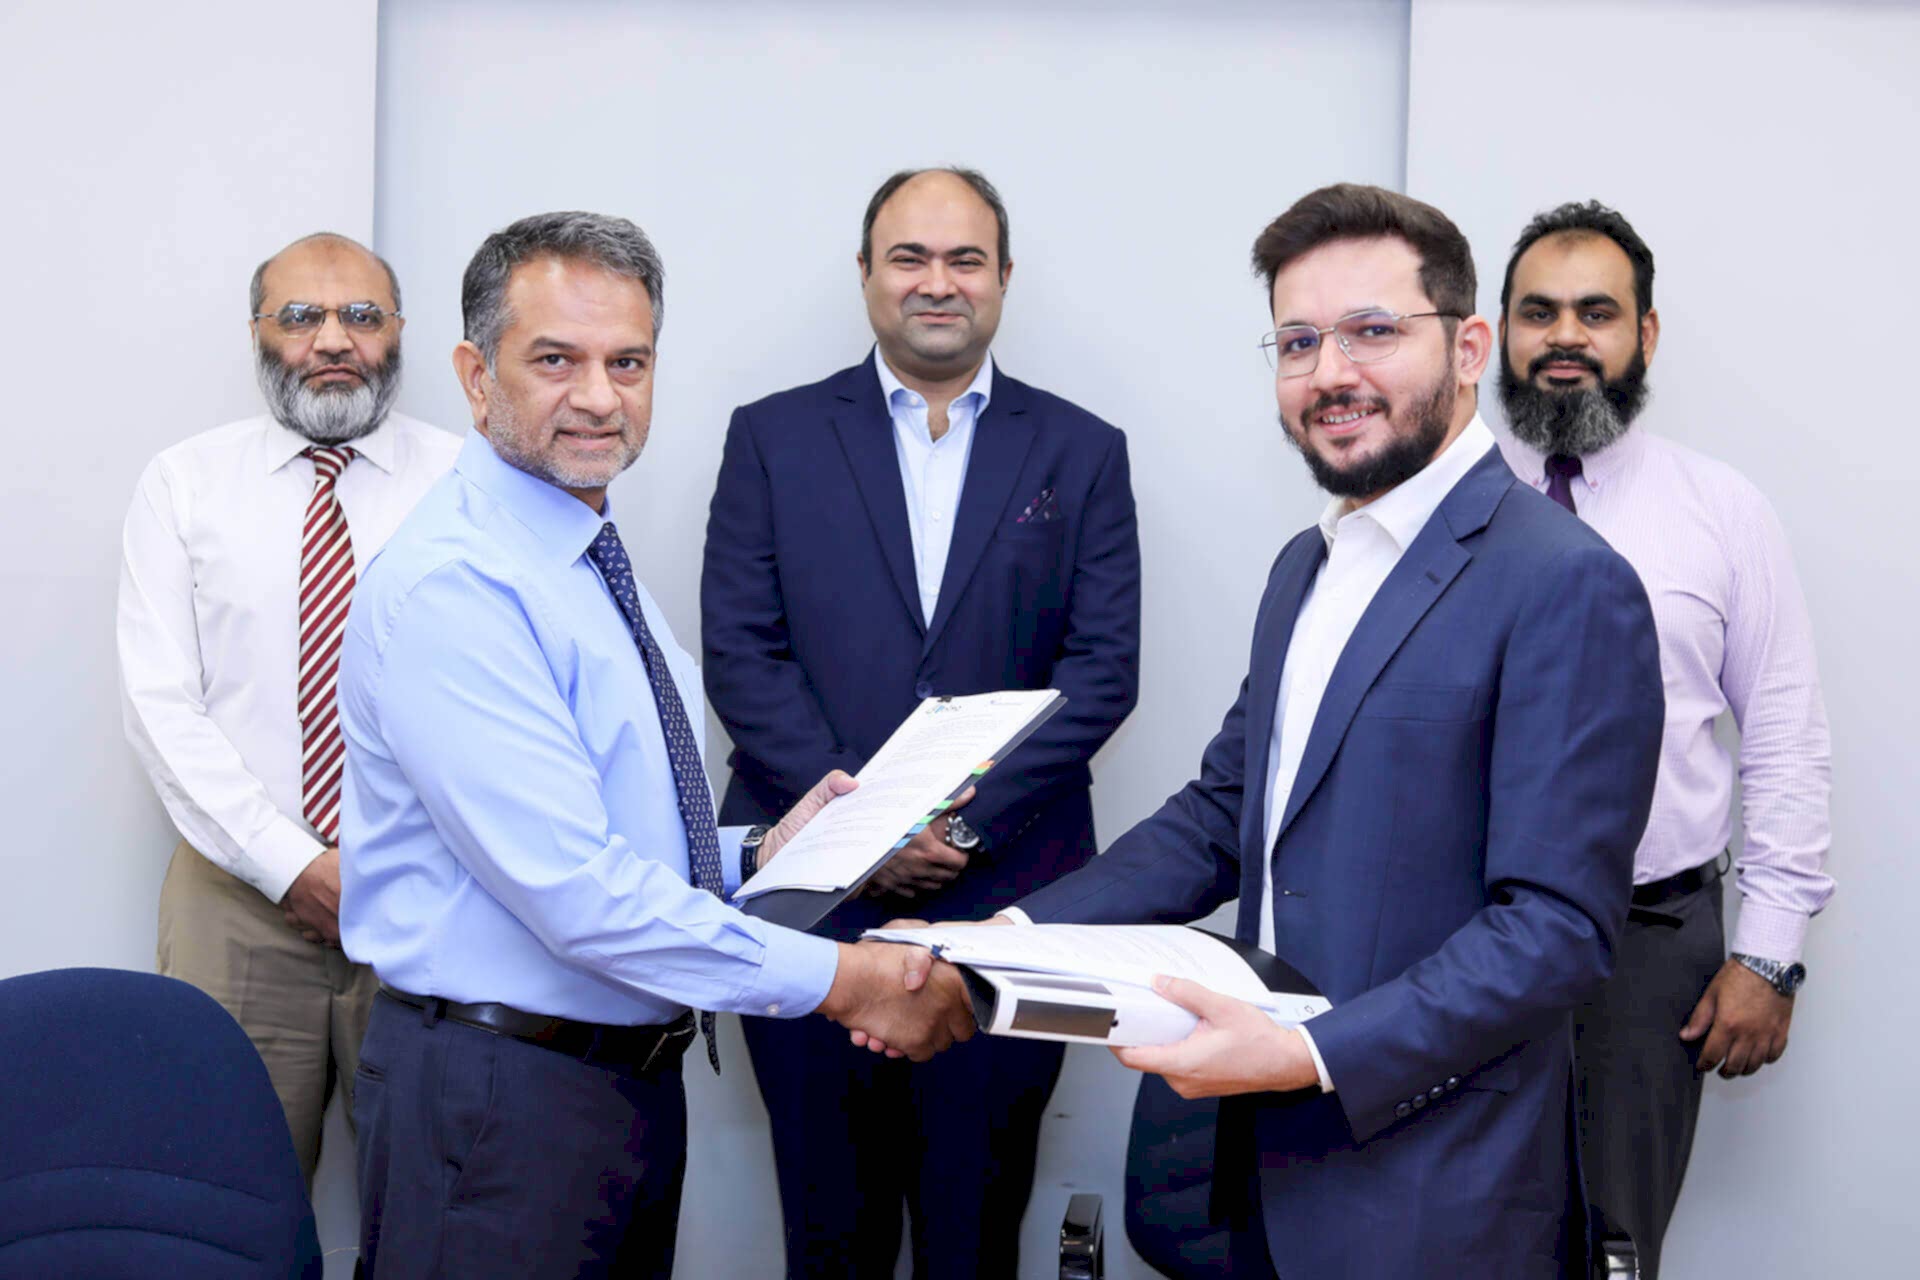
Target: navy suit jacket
<point x="1453" y="866"/>
<point x="814" y="643"/>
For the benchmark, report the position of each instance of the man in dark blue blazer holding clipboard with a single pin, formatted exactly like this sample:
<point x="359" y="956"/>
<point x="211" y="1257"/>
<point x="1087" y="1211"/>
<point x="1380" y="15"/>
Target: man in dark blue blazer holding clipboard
<point x="1426" y="797"/>
<point x="920" y="524"/>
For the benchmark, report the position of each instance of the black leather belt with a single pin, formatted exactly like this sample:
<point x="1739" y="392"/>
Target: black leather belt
<point x="1692" y="880"/>
<point x="635" y="1050"/>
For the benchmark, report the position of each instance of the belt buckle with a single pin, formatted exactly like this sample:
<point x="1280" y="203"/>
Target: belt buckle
<point x="675" y="1032"/>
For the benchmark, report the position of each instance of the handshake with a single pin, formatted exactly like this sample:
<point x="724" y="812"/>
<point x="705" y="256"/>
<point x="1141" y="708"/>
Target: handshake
<point x="899" y="1000"/>
<point x="894" y="999"/>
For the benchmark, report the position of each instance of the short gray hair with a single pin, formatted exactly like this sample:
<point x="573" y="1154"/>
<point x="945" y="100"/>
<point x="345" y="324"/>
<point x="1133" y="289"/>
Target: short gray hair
<point x="257" y="291"/>
<point x="613" y="244"/>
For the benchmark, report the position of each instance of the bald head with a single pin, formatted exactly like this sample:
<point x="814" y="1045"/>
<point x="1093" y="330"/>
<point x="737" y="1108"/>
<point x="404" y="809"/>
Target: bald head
<point x="972" y="179"/>
<point x="326" y="252"/>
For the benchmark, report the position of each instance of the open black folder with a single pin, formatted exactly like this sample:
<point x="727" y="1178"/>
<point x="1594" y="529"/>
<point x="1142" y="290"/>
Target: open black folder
<point x="804" y="908"/>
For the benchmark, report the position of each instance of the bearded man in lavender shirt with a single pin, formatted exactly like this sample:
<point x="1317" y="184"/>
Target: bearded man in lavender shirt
<point x="1577" y="332"/>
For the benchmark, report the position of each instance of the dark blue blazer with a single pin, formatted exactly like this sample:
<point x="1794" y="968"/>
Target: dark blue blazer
<point x="815" y="649"/>
<point x="1454" y="864"/>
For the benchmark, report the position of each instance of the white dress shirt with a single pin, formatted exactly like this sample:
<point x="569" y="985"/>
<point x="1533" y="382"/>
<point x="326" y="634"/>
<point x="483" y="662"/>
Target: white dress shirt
<point x="209" y="624"/>
<point x="1735" y="635"/>
<point x="933" y="472"/>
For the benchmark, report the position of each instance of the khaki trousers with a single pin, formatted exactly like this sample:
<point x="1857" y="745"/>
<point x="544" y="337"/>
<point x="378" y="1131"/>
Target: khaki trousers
<point x="303" y="1004"/>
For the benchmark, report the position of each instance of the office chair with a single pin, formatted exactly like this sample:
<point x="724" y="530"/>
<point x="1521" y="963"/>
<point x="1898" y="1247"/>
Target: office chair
<point x="140" y="1137"/>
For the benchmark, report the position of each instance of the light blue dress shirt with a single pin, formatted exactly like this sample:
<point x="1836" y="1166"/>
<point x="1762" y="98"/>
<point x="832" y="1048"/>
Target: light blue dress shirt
<point x="933" y="472"/>
<point x="509" y="830"/>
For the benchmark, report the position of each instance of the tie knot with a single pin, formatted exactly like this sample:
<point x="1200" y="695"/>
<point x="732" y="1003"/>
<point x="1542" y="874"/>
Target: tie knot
<point x="606" y="550"/>
<point x="1562" y="464"/>
<point x="329" y="460"/>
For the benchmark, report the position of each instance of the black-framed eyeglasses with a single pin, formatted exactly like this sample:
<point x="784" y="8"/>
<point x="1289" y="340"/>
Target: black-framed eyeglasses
<point x="301" y="319"/>
<point x="1293" y="350"/>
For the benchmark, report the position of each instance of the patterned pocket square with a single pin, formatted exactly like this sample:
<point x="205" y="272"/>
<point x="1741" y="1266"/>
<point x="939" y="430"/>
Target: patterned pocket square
<point x="1042" y="510"/>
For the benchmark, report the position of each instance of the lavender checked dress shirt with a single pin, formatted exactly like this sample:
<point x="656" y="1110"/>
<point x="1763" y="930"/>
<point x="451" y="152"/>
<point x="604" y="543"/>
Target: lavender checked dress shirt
<point x="1735" y="635"/>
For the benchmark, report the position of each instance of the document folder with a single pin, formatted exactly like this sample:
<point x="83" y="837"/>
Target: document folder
<point x="804" y="908"/>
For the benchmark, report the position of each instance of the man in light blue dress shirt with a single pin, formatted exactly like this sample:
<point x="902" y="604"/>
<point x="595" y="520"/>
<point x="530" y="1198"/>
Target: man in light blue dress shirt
<point x="529" y="859"/>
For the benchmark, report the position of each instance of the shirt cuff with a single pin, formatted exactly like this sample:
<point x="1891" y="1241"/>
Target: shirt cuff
<point x="277" y="856"/>
<point x="796" y="972"/>
<point x="1771" y="933"/>
<point x="1016" y="915"/>
<point x="1319" y="1064"/>
<point x="731" y="839"/>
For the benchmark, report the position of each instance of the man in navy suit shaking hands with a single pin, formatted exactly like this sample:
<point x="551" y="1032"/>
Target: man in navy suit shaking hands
<point x="920" y="524"/>
<point x="1426" y="796"/>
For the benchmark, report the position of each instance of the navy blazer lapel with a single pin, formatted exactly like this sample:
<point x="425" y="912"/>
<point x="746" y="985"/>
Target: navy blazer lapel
<point x="1299" y="562"/>
<point x="1426" y="570"/>
<point x="1001" y="439"/>
<point x="865" y="428"/>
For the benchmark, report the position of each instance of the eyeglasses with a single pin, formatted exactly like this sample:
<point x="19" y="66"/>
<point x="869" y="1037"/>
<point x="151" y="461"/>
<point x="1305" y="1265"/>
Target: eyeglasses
<point x="1366" y="336"/>
<point x="302" y="319"/>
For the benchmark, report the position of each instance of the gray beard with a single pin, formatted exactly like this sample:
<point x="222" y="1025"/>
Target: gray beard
<point x="1576" y="423"/>
<point x="332" y="416"/>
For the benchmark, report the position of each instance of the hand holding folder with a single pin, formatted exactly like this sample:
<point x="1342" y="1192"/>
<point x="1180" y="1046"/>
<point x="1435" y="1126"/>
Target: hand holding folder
<point x="916" y="776"/>
<point x="1095" y="984"/>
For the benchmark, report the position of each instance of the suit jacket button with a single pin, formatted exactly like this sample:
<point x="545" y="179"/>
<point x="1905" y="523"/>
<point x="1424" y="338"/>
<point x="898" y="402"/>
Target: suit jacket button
<point x="1419" y="1100"/>
<point x="923" y="690"/>
<point x="1436" y="1091"/>
<point x="1453" y="1082"/>
<point x="1403" y="1110"/>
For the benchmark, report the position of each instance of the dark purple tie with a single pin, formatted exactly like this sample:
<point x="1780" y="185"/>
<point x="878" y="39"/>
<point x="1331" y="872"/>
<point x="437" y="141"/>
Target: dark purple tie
<point x="1561" y="469"/>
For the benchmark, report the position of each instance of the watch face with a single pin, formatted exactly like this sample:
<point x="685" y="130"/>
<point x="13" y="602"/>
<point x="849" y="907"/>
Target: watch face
<point x="1790" y="980"/>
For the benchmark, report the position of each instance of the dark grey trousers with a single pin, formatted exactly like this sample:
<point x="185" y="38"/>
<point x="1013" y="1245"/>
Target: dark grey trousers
<point x="1636" y="1088"/>
<point x="485" y="1158"/>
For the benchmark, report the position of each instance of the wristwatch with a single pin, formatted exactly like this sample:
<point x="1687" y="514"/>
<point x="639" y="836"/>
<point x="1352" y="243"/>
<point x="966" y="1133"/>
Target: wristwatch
<point x="1782" y="977"/>
<point x="961" y="835"/>
<point x="750" y="850"/>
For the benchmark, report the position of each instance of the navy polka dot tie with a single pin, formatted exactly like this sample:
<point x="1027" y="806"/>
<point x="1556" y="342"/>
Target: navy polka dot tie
<point x="683" y="751"/>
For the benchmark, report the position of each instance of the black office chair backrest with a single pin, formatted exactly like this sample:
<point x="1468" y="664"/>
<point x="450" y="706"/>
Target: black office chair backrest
<point x="1170" y="1183"/>
<point x="140" y="1137"/>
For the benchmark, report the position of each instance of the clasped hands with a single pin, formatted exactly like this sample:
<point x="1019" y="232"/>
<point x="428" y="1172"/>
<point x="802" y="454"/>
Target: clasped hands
<point x="893" y="993"/>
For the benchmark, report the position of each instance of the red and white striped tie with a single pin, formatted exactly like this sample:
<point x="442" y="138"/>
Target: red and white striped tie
<point x="326" y="589"/>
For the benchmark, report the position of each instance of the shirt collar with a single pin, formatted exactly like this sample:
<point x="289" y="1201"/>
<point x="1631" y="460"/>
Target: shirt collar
<point x="564" y="525"/>
<point x="982" y="384"/>
<point x="285" y="444"/>
<point x="1403" y="511"/>
<point x="1596" y="468"/>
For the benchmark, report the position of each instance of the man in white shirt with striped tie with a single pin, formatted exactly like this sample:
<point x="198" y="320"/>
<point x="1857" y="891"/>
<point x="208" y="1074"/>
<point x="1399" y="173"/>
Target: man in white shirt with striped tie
<point x="1578" y="329"/>
<point x="239" y="559"/>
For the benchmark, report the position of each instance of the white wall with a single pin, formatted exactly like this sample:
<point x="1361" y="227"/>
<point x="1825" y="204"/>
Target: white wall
<point x="1134" y="146"/>
<point x="1764" y="152"/>
<point x="155" y="154"/>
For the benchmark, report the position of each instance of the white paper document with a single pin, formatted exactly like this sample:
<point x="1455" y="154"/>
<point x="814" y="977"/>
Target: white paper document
<point x="939" y="751"/>
<point x="1094" y="983"/>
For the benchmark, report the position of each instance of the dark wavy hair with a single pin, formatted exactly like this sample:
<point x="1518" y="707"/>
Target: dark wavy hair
<point x="1350" y="211"/>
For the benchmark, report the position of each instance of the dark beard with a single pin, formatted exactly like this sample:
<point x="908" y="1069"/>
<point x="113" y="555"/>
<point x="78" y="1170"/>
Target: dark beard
<point x="330" y="415"/>
<point x="1578" y="421"/>
<point x="1401" y="459"/>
